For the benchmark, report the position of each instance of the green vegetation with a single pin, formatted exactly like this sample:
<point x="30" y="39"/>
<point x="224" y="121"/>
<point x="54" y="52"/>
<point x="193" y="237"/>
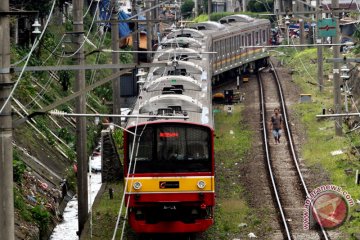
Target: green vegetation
<point x="119" y="141"/>
<point x="233" y="141"/>
<point x="321" y="139"/>
<point x="21" y="206"/>
<point x="105" y="214"/>
<point x="187" y="7"/>
<point x="261" y="6"/>
<point x="41" y="217"/>
<point x="19" y="167"/>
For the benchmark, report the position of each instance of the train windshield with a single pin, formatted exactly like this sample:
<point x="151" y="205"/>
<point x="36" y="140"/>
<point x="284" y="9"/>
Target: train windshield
<point x="170" y="148"/>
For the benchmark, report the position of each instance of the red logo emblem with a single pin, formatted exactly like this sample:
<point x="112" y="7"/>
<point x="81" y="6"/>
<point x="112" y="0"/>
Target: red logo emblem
<point x="330" y="210"/>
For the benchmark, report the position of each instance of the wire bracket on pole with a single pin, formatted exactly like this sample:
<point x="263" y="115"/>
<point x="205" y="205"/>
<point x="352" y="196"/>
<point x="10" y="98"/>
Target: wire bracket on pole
<point x="4" y="70"/>
<point x="6" y="85"/>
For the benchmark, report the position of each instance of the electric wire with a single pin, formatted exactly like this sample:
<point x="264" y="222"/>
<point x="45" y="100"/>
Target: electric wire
<point x="37" y="41"/>
<point x="44" y="89"/>
<point x="54" y="50"/>
<point x="131" y="183"/>
<point x="126" y="182"/>
<point x="87" y="35"/>
<point x="87" y="11"/>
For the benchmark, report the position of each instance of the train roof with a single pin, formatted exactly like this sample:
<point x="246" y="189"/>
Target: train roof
<point x="229" y="24"/>
<point x="181" y="87"/>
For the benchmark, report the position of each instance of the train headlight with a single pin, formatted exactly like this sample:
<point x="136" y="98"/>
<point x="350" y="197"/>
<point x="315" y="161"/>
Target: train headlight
<point x="137" y="185"/>
<point x="201" y="184"/>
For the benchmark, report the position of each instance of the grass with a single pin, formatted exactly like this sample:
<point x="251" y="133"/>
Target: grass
<point x="232" y="142"/>
<point x="105" y="213"/>
<point x="321" y="139"/>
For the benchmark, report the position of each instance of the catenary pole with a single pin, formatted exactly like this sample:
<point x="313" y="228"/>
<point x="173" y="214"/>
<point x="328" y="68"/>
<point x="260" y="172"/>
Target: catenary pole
<point x="115" y="60"/>
<point x="302" y="32"/>
<point x="6" y="150"/>
<point x="319" y="52"/>
<point x="135" y="35"/>
<point x="80" y="106"/>
<point x="209" y="9"/>
<point x="149" y="30"/>
<point x="336" y="70"/>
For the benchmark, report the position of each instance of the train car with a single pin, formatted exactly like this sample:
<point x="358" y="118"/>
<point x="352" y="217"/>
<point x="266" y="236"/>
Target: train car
<point x="238" y="41"/>
<point x="169" y="139"/>
<point x="169" y="163"/>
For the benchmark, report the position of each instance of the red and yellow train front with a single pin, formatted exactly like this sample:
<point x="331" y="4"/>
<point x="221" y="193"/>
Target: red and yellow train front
<point x="169" y="169"/>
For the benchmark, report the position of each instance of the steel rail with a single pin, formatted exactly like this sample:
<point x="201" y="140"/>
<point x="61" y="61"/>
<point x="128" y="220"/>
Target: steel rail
<point x="291" y="142"/>
<point x="268" y="160"/>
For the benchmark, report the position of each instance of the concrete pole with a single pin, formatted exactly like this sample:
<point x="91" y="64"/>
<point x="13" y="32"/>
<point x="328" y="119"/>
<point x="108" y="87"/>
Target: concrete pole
<point x="196" y="6"/>
<point x="82" y="160"/>
<point x="115" y="60"/>
<point x="302" y="32"/>
<point x="209" y="9"/>
<point x="135" y="35"/>
<point x="6" y="150"/>
<point x="336" y="70"/>
<point x="319" y="53"/>
<point x="149" y="30"/>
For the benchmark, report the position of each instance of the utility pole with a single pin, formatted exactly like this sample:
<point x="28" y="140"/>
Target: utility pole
<point x="336" y="70"/>
<point x="115" y="60"/>
<point x="80" y="106"/>
<point x="149" y="17"/>
<point x="209" y="9"/>
<point x="196" y="8"/>
<point x="319" y="51"/>
<point x="302" y="32"/>
<point x="135" y="36"/>
<point x="6" y="150"/>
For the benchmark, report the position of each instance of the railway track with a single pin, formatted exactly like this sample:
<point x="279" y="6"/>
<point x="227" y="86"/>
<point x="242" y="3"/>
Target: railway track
<point x="287" y="182"/>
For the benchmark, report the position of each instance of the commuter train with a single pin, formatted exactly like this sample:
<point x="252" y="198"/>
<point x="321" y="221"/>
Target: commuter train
<point x="169" y="139"/>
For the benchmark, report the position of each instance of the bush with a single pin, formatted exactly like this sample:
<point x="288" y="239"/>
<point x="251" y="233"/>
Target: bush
<point x="19" y="167"/>
<point x="18" y="170"/>
<point x="41" y="217"/>
<point x="20" y="205"/>
<point x="187" y="7"/>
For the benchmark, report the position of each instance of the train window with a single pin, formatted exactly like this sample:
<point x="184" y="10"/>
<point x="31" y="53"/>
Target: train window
<point x="146" y="144"/>
<point x="177" y="72"/>
<point x="188" y="35"/>
<point x="264" y="36"/>
<point x="168" y="92"/>
<point x="167" y="88"/>
<point x="176" y="109"/>
<point x="242" y="41"/>
<point x="256" y="38"/>
<point x="234" y="43"/>
<point x="222" y="47"/>
<point x="164" y="111"/>
<point x="182" y="57"/>
<point x="249" y="40"/>
<point x="172" y="148"/>
<point x="178" y="86"/>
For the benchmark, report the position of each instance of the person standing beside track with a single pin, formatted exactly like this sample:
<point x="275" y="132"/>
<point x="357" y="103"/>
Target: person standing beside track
<point x="276" y="124"/>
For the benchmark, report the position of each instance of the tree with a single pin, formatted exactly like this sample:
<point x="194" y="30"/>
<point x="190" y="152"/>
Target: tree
<point x="187" y="7"/>
<point x="43" y="6"/>
<point x="261" y="6"/>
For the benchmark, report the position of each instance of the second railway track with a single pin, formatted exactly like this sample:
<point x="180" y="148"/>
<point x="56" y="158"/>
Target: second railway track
<point x="289" y="187"/>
